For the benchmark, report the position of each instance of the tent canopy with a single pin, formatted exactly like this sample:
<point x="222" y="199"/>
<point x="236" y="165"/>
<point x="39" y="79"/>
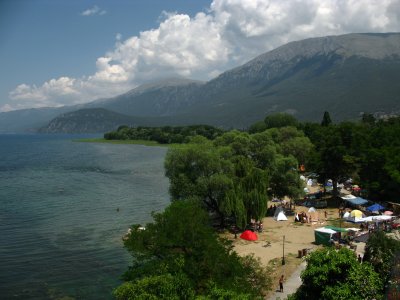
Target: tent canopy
<point x="349" y="196"/>
<point x="281" y="217"/>
<point x="375" y="207"/>
<point x="336" y="229"/>
<point x="356" y="213"/>
<point x="323" y="235"/>
<point x="312" y="209"/>
<point x="280" y="214"/>
<point x="356" y="201"/>
<point x="249" y="235"/>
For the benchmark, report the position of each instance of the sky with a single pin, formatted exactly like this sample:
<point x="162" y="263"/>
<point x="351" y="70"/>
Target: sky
<point x="65" y="52"/>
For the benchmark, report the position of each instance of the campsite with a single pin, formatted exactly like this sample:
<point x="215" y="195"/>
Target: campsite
<point x="285" y="237"/>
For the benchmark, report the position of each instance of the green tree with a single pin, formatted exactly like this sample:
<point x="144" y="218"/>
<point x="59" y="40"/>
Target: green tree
<point x="259" y="126"/>
<point x="280" y="120"/>
<point x="326" y="119"/>
<point x="285" y="179"/>
<point x="292" y="141"/>
<point x="180" y="247"/>
<point x="380" y="251"/>
<point x="333" y="160"/>
<point x="368" y="119"/>
<point x="156" y="287"/>
<point x="199" y="170"/>
<point x="332" y="274"/>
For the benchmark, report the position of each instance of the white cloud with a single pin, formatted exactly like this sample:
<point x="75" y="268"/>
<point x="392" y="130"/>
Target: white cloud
<point x="95" y="10"/>
<point x="228" y="34"/>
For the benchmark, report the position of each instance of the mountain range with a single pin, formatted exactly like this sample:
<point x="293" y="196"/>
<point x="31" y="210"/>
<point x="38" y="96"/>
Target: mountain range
<point x="346" y="75"/>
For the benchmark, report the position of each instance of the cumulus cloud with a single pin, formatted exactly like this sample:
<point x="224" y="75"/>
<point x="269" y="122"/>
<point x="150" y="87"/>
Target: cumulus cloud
<point x="229" y="33"/>
<point x="95" y="10"/>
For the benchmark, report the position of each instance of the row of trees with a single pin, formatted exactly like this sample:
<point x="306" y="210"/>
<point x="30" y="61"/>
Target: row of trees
<point x="367" y="151"/>
<point x="164" y="135"/>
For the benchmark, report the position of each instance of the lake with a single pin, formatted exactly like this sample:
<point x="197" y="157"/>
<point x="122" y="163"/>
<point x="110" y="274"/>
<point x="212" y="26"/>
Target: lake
<point x="64" y="207"/>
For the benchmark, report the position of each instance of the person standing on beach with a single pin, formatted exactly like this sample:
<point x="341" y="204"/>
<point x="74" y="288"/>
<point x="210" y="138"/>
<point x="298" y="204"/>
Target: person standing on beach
<point x="281" y="284"/>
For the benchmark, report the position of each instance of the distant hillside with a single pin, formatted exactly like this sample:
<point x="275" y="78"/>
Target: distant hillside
<point x="29" y="120"/>
<point x="167" y="97"/>
<point x="345" y="75"/>
<point x="95" y="120"/>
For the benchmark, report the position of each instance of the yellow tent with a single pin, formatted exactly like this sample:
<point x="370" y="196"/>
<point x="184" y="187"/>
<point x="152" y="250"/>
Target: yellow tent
<point x="356" y="213"/>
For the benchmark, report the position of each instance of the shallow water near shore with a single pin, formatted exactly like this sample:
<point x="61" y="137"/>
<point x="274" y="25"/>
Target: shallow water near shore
<point x="64" y="207"/>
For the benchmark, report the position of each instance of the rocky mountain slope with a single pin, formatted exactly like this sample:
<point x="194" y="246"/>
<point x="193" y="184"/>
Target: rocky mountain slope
<point x="345" y="75"/>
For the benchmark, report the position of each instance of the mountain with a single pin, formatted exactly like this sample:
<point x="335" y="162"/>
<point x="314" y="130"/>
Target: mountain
<point x="29" y="120"/>
<point x="167" y="97"/>
<point x="90" y="120"/>
<point x="345" y="75"/>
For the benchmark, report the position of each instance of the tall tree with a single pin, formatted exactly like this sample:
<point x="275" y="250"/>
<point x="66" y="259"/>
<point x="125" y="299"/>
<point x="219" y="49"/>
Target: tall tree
<point x="200" y="171"/>
<point x="326" y="120"/>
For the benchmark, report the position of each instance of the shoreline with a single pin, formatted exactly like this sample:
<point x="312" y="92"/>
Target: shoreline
<point x="121" y="142"/>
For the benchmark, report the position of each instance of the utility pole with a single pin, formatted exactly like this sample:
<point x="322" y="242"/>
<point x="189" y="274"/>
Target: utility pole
<point x="283" y="253"/>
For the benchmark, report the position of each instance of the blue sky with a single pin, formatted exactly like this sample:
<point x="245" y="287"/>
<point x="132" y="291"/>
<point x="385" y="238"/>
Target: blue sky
<point x="62" y="52"/>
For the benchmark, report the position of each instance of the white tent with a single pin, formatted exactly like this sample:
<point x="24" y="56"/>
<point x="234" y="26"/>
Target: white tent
<point x="349" y="196"/>
<point x="312" y="209"/>
<point x="346" y="214"/>
<point x="281" y="216"/>
<point x="325" y="230"/>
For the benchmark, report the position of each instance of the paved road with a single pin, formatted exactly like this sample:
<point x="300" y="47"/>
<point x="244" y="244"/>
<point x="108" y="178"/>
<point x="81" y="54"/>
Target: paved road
<point x="290" y="285"/>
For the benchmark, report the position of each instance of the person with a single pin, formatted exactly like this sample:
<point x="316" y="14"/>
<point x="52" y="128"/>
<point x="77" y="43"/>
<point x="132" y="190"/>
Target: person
<point x="260" y="227"/>
<point x="359" y="258"/>
<point x="281" y="284"/>
<point x="326" y="214"/>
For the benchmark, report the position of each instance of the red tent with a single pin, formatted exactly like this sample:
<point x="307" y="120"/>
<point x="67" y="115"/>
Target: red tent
<point x="249" y="235"/>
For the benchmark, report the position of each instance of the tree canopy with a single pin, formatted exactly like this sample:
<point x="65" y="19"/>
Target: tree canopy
<point x="236" y="174"/>
<point x="335" y="275"/>
<point x="164" y="135"/>
<point x="180" y="256"/>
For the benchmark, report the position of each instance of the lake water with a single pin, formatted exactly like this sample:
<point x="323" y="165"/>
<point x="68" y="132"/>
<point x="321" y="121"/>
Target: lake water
<point x="64" y="207"/>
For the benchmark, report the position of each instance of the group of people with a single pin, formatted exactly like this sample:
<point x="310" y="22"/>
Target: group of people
<point x="302" y="217"/>
<point x="256" y="225"/>
<point x="371" y="227"/>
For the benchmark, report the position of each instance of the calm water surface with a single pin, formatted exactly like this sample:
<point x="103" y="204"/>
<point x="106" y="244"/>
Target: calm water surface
<point x="64" y="207"/>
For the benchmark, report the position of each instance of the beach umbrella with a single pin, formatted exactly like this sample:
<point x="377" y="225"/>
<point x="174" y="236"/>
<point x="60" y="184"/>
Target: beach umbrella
<point x="388" y="213"/>
<point x="356" y="213"/>
<point x="249" y="235"/>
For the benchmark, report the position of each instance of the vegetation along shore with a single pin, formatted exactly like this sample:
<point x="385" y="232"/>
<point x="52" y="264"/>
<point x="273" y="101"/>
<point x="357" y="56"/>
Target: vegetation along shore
<point x="223" y="183"/>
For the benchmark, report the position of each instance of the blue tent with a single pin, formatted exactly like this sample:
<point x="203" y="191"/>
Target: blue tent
<point x="375" y="207"/>
<point x="357" y="201"/>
